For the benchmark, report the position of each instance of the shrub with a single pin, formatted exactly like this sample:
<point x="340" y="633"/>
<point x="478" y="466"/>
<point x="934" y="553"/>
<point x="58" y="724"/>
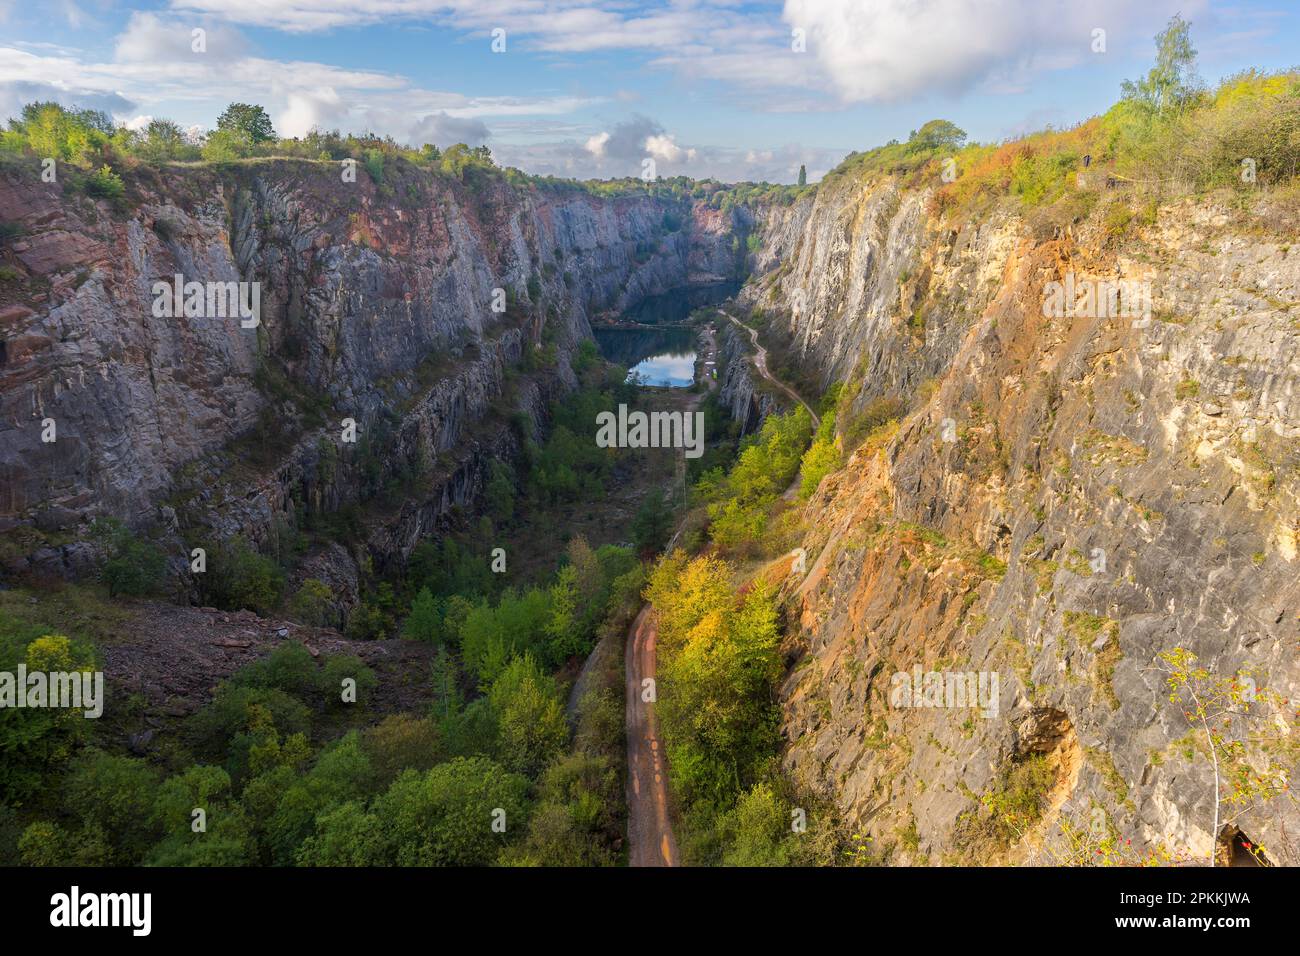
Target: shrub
<point x="131" y="566"/>
<point x="103" y="183"/>
<point x="443" y="817"/>
<point x="36" y="740"/>
<point x="231" y="711"/>
<point x="241" y="578"/>
<point x="314" y="604"/>
<point x="226" y="145"/>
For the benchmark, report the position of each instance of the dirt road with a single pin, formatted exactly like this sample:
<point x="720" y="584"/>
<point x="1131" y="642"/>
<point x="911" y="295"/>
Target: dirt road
<point x="760" y="362"/>
<point x="649" y="826"/>
<point x="649" y="830"/>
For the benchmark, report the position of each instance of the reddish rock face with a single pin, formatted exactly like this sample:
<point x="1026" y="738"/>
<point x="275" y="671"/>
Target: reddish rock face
<point x="1060" y="499"/>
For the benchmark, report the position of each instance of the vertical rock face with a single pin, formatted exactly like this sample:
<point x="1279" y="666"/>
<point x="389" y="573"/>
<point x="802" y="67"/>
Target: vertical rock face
<point x="1068" y="496"/>
<point x="376" y="305"/>
<point x="739" y="392"/>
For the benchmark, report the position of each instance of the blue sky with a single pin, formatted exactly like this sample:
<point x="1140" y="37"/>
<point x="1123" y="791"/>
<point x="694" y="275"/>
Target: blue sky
<point x="589" y="88"/>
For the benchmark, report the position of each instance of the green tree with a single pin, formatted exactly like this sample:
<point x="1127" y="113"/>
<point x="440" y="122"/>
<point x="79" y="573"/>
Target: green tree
<point x="399" y="742"/>
<point x="48" y="844"/>
<point x="566" y="637"/>
<point x="226" y="145"/>
<point x="226" y="838"/>
<point x="424" y="623"/>
<point x="937" y="135"/>
<point x="345" y="836"/>
<point x="115" y="796"/>
<point x="162" y="140"/>
<point x="530" y="717"/>
<point x="803" y="175"/>
<point x="249" y="120"/>
<point x="35" y="741"/>
<point x="500" y="493"/>
<point x="576" y="822"/>
<point x="1172" y="82"/>
<point x="652" y="523"/>
<point x="756" y="829"/>
<point x="446" y="817"/>
<point x="200" y="786"/>
<point x="240" y="578"/>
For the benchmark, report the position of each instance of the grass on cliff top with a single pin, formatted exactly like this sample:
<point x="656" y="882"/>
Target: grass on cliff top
<point x="1200" y="144"/>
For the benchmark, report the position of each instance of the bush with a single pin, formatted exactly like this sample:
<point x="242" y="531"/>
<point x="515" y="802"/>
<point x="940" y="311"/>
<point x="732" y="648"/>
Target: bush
<point x="115" y="796"/>
<point x="424" y="623"/>
<point x="103" y="183"/>
<point x="530" y="718"/>
<point x="240" y="578"/>
<point x="36" y="740"/>
<point x="131" y="566"/>
<point x="289" y="668"/>
<point x="400" y="742"/>
<point x="226" y="145"/>
<point x="213" y="729"/>
<point x="314" y="604"/>
<point x="341" y="667"/>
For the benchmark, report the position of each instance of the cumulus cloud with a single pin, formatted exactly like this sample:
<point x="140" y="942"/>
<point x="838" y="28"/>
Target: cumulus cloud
<point x="892" y="49"/>
<point x="442" y="129"/>
<point x="150" y="38"/>
<point x="154" y="66"/>
<point x="663" y="147"/>
<point x="307" y="111"/>
<point x="857" y="50"/>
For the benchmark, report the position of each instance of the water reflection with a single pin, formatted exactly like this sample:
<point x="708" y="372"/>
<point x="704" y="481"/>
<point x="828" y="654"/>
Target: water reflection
<point x="667" y="370"/>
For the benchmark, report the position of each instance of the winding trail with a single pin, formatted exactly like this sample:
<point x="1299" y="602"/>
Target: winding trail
<point x="649" y="824"/>
<point x="760" y="363"/>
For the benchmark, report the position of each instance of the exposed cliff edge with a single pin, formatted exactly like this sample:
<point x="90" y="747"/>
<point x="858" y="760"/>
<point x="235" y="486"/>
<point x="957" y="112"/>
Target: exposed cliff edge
<point x="1064" y="498"/>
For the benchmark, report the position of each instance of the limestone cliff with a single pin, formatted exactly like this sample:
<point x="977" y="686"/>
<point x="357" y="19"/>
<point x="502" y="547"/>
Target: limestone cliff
<point x="377" y="305"/>
<point x="1064" y="498"/>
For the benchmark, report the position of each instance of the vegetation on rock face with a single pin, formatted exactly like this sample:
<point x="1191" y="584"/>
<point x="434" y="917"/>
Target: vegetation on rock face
<point x="739" y="501"/>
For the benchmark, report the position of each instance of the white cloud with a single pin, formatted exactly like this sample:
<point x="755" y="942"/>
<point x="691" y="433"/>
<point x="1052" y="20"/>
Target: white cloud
<point x="307" y="111"/>
<point x="553" y="25"/>
<point x="149" y="38"/>
<point x="442" y="129"/>
<point x="664" y="148"/>
<point x="596" y="144"/>
<point x="892" y="49"/>
<point x="154" y="66"/>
